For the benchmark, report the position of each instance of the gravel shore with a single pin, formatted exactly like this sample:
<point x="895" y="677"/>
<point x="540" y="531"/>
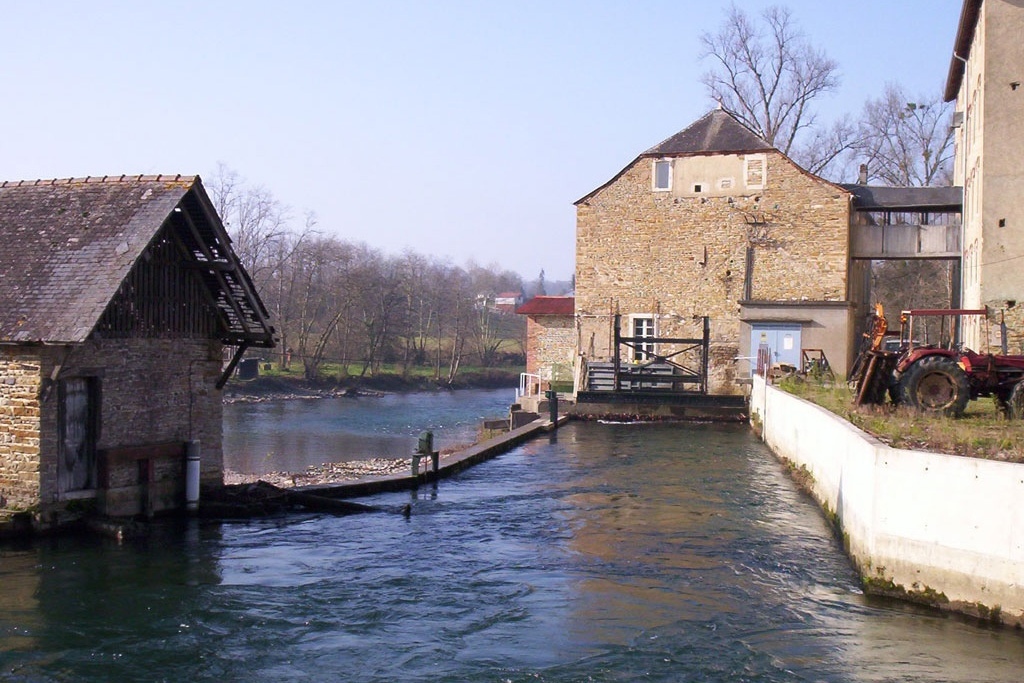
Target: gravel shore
<point x="336" y="472"/>
<point x="327" y="473"/>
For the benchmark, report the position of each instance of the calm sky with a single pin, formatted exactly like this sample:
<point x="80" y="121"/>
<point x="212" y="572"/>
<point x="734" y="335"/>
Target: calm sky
<point x="457" y="129"/>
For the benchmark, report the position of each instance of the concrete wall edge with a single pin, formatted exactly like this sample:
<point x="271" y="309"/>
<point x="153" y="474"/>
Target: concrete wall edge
<point x="926" y="527"/>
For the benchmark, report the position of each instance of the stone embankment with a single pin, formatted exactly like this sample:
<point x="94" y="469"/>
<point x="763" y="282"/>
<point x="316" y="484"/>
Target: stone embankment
<point x="940" y="529"/>
<point x="270" y="390"/>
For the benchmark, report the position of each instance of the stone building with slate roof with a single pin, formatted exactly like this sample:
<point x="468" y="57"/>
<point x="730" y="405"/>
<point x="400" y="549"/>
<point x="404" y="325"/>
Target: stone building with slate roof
<point x="713" y="222"/>
<point x="118" y="296"/>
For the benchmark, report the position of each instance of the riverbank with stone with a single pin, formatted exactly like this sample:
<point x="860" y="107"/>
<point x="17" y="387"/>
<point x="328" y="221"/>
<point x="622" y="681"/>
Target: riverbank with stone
<point x="285" y="387"/>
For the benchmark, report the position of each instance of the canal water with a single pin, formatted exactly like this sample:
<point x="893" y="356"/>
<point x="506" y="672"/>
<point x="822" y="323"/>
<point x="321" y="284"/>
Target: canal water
<point x="608" y="552"/>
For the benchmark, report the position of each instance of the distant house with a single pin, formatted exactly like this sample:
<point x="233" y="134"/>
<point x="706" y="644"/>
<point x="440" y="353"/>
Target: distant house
<point x="715" y="236"/>
<point x="550" y="338"/>
<point x="506" y="302"/>
<point x="117" y="296"/>
<point x="986" y="79"/>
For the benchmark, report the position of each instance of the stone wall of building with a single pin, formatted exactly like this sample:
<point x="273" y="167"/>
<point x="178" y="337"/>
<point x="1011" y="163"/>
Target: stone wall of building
<point x="152" y="391"/>
<point x="678" y="258"/>
<point x="19" y="428"/>
<point x="550" y="346"/>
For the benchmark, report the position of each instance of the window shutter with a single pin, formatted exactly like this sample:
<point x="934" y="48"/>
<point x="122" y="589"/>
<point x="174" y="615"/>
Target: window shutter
<point x="754" y="171"/>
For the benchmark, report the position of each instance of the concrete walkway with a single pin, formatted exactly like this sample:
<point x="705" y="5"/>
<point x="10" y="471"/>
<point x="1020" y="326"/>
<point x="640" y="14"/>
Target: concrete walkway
<point x="448" y="466"/>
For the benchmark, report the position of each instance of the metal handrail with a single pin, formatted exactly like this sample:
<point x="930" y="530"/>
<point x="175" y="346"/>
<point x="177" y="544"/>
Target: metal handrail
<point x="529" y="385"/>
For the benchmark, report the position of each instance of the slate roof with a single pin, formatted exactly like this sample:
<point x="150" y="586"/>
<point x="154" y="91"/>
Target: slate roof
<point x="549" y="305"/>
<point x="68" y="245"/>
<point x="716" y="132"/>
<point x="883" y="198"/>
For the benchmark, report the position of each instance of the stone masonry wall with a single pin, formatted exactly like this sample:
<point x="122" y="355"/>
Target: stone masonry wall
<point x="550" y="344"/>
<point x="682" y="257"/>
<point x="152" y="391"/>
<point x="19" y="429"/>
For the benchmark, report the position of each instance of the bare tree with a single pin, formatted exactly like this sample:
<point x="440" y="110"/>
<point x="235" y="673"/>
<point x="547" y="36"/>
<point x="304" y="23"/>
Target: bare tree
<point x="255" y="219"/>
<point x="335" y="301"/>
<point x="905" y="142"/>
<point x="768" y="74"/>
<point x="828" y="151"/>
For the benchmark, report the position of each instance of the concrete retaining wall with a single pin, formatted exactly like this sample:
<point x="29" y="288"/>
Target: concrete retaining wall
<point x="940" y="529"/>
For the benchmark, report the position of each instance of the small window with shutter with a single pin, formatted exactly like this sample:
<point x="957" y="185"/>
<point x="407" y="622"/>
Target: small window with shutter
<point x="755" y="170"/>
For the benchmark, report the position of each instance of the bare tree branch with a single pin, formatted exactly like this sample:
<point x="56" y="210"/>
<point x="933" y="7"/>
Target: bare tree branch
<point x="907" y="142"/>
<point x="768" y="74"/>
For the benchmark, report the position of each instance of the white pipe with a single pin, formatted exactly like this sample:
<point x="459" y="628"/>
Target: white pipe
<point x="192" y="476"/>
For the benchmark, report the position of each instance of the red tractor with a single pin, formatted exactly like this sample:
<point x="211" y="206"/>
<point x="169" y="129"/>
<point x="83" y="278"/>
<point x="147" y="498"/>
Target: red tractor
<point x="938" y="377"/>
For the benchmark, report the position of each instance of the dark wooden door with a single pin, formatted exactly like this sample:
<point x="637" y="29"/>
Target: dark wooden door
<point x="76" y="469"/>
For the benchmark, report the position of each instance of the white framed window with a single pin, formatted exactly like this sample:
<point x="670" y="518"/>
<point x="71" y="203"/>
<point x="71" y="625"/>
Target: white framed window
<point x="661" y="176"/>
<point x="755" y="171"/>
<point x="726" y="183"/>
<point x="642" y="326"/>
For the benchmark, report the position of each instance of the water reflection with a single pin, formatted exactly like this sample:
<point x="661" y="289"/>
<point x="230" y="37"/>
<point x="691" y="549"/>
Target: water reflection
<point x="292" y="435"/>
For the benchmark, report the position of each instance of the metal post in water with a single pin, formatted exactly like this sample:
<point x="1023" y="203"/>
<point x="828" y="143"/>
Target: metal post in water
<point x="192" y="461"/>
<point x="424" y="449"/>
<point x="552" y="397"/>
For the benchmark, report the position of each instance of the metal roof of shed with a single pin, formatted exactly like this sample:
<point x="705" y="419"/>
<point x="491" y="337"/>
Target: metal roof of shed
<point x="884" y="198"/>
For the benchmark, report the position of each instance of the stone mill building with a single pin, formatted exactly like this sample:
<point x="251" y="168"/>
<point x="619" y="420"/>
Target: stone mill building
<point x="118" y="298"/>
<point x="703" y="248"/>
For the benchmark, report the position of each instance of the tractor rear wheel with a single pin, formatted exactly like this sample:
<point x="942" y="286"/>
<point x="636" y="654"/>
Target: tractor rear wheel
<point x="1015" y="404"/>
<point x="935" y="384"/>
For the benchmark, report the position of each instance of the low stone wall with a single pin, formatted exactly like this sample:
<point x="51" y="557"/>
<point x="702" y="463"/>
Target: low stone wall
<point x="940" y="529"/>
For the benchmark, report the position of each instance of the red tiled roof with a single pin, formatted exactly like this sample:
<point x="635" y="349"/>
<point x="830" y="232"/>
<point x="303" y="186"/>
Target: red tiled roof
<point x="548" y="305"/>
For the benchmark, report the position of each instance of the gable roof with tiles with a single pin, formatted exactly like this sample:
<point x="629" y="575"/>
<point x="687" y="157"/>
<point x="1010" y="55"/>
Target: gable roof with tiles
<point x="548" y="305"/>
<point x="717" y="132"/>
<point x="70" y="243"/>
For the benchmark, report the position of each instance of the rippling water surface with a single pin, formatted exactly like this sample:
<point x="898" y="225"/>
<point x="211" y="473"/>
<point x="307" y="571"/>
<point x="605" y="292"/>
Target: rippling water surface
<point x="609" y="553"/>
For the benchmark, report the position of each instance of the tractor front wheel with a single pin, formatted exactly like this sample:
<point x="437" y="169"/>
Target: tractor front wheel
<point x="935" y="384"/>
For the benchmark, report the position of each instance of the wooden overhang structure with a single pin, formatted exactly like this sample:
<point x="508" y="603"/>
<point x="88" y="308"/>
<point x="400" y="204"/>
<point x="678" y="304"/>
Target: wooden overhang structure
<point x="905" y="222"/>
<point x="122" y="257"/>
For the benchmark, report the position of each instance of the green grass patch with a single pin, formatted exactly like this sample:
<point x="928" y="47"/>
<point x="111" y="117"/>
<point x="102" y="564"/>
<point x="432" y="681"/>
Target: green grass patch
<point x="982" y="432"/>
